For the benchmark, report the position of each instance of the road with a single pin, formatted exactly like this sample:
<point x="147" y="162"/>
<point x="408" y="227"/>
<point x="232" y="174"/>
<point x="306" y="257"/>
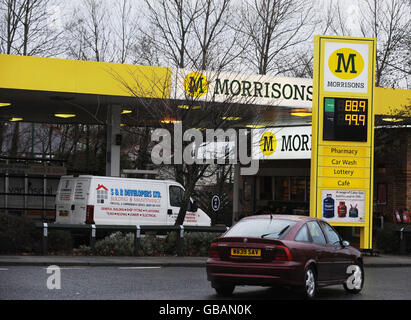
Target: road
<point x="173" y="283"/>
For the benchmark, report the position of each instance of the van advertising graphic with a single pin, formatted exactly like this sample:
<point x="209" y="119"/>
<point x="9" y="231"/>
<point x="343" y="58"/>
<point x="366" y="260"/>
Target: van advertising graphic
<point x="129" y="202"/>
<point x="343" y="205"/>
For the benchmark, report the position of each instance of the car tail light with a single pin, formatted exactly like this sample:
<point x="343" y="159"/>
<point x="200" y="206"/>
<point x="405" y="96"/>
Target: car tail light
<point x="282" y="253"/>
<point x="213" y="252"/>
<point x="90" y="214"/>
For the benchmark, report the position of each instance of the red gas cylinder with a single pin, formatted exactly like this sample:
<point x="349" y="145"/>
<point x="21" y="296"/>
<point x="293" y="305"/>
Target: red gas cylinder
<point x="397" y="217"/>
<point x="405" y="216"/>
<point x="342" y="209"/>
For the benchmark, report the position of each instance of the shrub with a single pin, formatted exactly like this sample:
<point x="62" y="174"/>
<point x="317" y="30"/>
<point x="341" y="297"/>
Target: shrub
<point x="198" y="243"/>
<point x="150" y="245"/>
<point x="83" y="250"/>
<point x="60" y="241"/>
<point x="116" y="244"/>
<point x="18" y="234"/>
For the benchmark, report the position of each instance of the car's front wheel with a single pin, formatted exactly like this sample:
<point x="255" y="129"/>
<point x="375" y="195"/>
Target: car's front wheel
<point x="355" y="280"/>
<point x="223" y="289"/>
<point x="310" y="283"/>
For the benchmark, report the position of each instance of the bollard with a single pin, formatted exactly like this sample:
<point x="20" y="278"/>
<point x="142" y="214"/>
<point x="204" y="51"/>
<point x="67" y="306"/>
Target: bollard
<point x="403" y="245"/>
<point x="93" y="238"/>
<point x="180" y="242"/>
<point x="137" y="241"/>
<point x="45" y="236"/>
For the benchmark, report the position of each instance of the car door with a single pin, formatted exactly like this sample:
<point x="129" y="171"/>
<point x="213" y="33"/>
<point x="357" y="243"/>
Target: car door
<point x="322" y="253"/>
<point x="341" y="258"/>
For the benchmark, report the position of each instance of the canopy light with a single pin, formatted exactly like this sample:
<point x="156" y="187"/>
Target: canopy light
<point x="301" y="113"/>
<point x="392" y="119"/>
<point x="5" y="104"/>
<point x="255" y="126"/>
<point x="64" y="115"/>
<point x="125" y="111"/>
<point x="16" y="119"/>
<point x="187" y="107"/>
<point x="170" y="121"/>
<point x="231" y="118"/>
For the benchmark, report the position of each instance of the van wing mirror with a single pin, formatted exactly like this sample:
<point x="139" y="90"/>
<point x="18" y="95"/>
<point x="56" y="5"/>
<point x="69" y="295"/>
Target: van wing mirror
<point x="193" y="206"/>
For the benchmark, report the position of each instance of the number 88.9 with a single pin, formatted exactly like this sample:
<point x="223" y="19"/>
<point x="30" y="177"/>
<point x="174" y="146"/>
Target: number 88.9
<point x="355" y="106"/>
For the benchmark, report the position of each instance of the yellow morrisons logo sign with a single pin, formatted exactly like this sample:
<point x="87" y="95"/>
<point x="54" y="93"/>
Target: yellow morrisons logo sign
<point x="196" y="84"/>
<point x="346" y="63"/>
<point x="223" y="86"/>
<point x="268" y="143"/>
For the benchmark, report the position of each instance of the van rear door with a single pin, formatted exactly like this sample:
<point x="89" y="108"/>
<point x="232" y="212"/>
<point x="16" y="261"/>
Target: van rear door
<point x="80" y="199"/>
<point x="64" y="197"/>
<point x="71" y="200"/>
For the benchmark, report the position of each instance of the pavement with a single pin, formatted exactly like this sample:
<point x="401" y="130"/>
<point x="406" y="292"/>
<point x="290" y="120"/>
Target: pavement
<point x="380" y="261"/>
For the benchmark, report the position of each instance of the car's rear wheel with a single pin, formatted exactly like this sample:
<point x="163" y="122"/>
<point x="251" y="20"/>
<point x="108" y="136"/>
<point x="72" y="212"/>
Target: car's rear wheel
<point x="223" y="289"/>
<point x="355" y="280"/>
<point x="310" y="283"/>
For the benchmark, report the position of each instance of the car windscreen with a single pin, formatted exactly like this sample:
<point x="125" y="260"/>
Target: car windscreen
<point x="261" y="228"/>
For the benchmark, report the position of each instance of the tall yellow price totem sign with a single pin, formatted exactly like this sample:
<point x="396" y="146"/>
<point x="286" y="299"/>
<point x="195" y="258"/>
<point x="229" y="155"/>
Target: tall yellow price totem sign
<point x="343" y="133"/>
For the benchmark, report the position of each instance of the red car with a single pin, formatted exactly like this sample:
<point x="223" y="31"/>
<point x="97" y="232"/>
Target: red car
<point x="291" y="250"/>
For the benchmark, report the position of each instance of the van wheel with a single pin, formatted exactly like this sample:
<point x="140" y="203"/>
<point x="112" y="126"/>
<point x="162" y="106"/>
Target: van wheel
<point x="355" y="279"/>
<point x="310" y="283"/>
<point x="223" y="289"/>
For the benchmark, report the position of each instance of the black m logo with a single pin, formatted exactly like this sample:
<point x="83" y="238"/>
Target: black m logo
<point x="346" y="65"/>
<point x="196" y="86"/>
<point x="268" y="144"/>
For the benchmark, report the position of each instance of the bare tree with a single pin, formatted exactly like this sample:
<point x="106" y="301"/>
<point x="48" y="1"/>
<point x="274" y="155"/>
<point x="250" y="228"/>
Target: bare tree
<point x="12" y="15"/>
<point x="88" y="32"/>
<point x="389" y="23"/>
<point x="214" y="45"/>
<point x="275" y="27"/>
<point x="124" y="26"/>
<point x="170" y="27"/>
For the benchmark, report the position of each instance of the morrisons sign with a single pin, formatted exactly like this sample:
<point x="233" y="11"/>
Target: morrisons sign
<point x="258" y="89"/>
<point x="240" y="88"/>
<point x="281" y="143"/>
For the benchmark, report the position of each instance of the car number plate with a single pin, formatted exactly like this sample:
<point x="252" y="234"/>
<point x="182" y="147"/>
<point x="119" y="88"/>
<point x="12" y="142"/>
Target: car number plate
<point x="246" y="252"/>
<point x="63" y="213"/>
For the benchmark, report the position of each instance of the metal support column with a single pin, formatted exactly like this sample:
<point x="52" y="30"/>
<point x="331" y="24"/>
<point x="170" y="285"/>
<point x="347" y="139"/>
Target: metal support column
<point x="236" y="190"/>
<point x="113" y="141"/>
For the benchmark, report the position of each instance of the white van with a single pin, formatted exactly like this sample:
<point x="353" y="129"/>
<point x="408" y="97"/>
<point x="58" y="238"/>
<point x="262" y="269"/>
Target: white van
<point x="123" y="201"/>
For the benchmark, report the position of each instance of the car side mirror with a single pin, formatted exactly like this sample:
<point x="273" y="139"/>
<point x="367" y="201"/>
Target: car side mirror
<point x="193" y="206"/>
<point x="345" y="243"/>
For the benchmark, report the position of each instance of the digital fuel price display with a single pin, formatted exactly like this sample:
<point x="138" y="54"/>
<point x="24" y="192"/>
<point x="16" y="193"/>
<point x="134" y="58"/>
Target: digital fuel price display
<point x="345" y="119"/>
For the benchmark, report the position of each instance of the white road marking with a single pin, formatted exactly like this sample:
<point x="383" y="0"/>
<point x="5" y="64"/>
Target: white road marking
<point x="3" y="269"/>
<point x="70" y="268"/>
<point x="136" y="268"/>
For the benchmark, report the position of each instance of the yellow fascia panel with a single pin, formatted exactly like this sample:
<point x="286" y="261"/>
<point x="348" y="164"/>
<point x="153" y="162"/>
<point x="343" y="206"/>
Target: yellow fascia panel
<point x="392" y="101"/>
<point x="86" y="77"/>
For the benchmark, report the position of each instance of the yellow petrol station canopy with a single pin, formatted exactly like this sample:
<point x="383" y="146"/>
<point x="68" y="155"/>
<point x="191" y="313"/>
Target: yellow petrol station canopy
<point x="35" y="89"/>
<point x="84" y="77"/>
